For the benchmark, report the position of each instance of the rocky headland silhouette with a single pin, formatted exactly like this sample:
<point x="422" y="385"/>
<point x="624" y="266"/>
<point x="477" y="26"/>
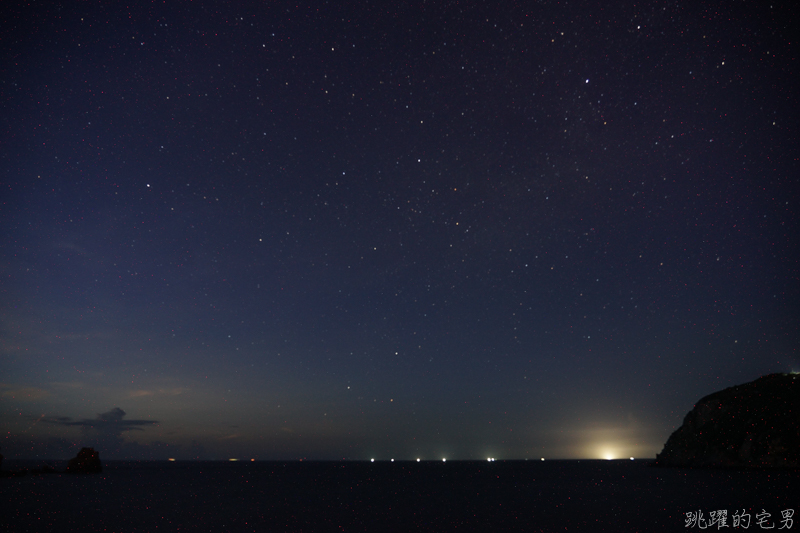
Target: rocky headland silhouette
<point x="753" y="425"/>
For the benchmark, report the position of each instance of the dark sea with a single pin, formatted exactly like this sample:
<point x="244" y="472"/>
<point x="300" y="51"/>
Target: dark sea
<point x="525" y="496"/>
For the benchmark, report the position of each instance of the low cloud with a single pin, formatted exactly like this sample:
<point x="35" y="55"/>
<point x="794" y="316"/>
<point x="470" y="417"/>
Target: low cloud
<point x="105" y="431"/>
<point x="22" y="393"/>
<point x="110" y="422"/>
<point x="64" y="245"/>
<point x="159" y="392"/>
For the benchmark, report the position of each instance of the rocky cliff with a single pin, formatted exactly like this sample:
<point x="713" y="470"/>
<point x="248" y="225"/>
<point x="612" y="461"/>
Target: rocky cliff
<point x="756" y="424"/>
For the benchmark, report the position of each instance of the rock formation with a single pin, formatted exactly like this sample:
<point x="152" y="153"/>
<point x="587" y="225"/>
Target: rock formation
<point x="756" y="424"/>
<point x="86" y="462"/>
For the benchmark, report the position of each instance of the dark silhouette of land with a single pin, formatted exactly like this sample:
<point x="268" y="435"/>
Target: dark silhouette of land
<point x="86" y="462"/>
<point x="753" y="425"/>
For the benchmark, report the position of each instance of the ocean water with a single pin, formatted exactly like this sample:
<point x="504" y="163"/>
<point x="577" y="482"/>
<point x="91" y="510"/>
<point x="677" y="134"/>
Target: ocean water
<point x="525" y="496"/>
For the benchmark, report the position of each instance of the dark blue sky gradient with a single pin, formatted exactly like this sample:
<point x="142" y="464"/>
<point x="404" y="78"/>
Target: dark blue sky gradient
<point x="369" y="230"/>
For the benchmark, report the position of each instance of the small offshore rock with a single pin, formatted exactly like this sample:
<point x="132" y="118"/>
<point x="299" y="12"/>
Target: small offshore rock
<point x="86" y="462"/>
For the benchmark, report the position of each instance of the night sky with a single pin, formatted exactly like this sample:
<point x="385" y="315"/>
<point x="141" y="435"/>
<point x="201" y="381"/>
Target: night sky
<point x="350" y="230"/>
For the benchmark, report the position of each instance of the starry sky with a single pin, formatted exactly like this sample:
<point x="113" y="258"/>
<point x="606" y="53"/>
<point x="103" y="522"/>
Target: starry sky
<point x="344" y="230"/>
